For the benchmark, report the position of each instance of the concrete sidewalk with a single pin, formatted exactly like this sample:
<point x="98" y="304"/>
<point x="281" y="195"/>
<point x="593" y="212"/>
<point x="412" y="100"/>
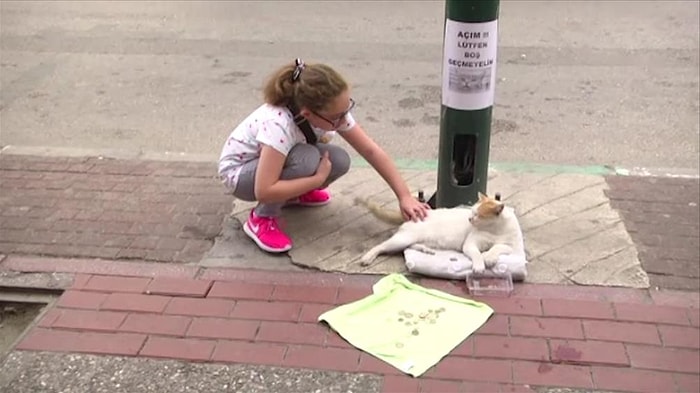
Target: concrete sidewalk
<point x="146" y="263"/>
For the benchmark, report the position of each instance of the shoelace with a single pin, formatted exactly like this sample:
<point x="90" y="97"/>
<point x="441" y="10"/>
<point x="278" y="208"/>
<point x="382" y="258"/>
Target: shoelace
<point x="271" y="223"/>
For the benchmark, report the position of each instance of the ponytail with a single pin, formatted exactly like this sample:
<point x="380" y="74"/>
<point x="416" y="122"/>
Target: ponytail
<point x="279" y="88"/>
<point x="315" y="87"/>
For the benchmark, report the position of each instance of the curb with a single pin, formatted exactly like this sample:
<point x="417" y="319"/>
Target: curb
<point x="82" y="267"/>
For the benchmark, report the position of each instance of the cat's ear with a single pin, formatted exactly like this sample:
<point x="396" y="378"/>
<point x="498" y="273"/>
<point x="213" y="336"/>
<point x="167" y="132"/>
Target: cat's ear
<point x="482" y="197"/>
<point x="499" y="208"/>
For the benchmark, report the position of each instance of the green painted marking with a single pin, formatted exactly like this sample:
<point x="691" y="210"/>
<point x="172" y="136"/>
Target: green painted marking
<point x="553" y="168"/>
<point x="523" y="167"/>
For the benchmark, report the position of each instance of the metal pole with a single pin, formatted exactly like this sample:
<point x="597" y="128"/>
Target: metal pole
<point x="468" y="86"/>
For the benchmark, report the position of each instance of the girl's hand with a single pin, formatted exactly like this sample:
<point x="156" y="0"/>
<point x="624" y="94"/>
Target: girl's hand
<point x="324" y="167"/>
<point x="412" y="209"/>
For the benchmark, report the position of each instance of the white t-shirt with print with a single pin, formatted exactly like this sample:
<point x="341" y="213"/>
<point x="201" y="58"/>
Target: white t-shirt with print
<point x="267" y="125"/>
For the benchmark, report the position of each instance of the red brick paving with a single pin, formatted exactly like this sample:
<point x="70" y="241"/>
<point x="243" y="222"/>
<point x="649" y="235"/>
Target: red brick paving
<point x="134" y="302"/>
<point x="178" y="287"/>
<point x="679" y="336"/>
<point x="589" y="338"/>
<point x="588" y="352"/>
<point x="179" y="348"/>
<point x="200" y="307"/>
<point x="234" y="329"/>
<point x="111" y="209"/>
<point x="622" y="331"/>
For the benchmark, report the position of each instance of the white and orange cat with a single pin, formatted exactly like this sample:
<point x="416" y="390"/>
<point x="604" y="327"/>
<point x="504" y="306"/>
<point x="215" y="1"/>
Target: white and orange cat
<point x="482" y="232"/>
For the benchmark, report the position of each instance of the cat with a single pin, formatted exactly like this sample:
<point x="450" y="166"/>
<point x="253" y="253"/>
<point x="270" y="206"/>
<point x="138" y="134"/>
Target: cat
<point x="482" y="232"/>
<point x="495" y="230"/>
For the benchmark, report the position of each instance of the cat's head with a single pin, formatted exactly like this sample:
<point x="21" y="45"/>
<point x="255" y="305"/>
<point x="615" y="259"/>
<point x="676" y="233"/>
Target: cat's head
<point x="485" y="210"/>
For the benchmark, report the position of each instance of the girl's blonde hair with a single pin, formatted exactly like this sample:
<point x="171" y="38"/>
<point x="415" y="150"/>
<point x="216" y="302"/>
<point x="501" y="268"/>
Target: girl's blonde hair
<point x="315" y="88"/>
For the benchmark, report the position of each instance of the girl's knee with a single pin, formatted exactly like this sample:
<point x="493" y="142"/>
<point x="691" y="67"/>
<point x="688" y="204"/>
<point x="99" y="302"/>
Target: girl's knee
<point x="302" y="161"/>
<point x="340" y="162"/>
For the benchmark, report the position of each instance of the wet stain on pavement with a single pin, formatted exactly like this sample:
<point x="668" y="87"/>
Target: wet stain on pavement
<point x="410" y="103"/>
<point x="565" y="353"/>
<point x="404" y="123"/>
<point x="234" y="76"/>
<point x="430" y="120"/>
<point x="503" y="126"/>
<point x="544" y="368"/>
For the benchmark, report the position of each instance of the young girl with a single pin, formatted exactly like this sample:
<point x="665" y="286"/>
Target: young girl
<point x="269" y="158"/>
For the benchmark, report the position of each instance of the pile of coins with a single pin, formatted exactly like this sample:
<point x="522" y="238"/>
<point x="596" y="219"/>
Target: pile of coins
<point x="408" y="320"/>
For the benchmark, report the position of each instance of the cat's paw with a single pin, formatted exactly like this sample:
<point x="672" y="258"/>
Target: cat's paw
<point x="490" y="259"/>
<point x="478" y="267"/>
<point x="367" y="259"/>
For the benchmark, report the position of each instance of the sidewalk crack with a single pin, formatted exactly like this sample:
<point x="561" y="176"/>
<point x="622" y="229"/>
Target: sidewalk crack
<point x="611" y="254"/>
<point x="561" y="197"/>
<point x="516" y="192"/>
<point x="607" y="228"/>
<point x="570" y="215"/>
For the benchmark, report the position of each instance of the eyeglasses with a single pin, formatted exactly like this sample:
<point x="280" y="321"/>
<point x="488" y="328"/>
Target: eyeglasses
<point x="336" y="122"/>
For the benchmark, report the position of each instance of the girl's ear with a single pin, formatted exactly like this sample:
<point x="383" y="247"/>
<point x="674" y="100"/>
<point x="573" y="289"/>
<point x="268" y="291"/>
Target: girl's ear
<point x="305" y="112"/>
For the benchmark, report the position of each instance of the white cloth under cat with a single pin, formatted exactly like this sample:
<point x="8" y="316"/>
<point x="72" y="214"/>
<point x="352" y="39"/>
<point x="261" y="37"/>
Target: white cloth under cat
<point x="454" y="265"/>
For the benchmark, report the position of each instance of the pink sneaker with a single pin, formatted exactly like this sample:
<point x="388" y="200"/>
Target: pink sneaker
<point x="317" y="197"/>
<point x="266" y="233"/>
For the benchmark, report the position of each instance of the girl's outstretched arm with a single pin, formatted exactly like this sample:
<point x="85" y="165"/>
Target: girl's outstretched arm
<point x="411" y="208"/>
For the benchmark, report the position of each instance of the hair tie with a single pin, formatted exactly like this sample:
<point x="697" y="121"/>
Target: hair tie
<point x="298" y="68"/>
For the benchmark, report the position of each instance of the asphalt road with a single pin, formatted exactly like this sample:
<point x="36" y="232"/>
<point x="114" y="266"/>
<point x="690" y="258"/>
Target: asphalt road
<point x="581" y="83"/>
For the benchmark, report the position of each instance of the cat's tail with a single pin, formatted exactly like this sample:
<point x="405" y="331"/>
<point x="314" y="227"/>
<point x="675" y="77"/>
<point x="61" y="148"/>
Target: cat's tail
<point x="393" y="217"/>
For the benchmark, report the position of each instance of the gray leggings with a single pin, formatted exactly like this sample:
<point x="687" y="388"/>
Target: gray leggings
<point x="302" y="161"/>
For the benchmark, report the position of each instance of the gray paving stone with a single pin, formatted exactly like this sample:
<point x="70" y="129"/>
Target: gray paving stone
<point x="572" y="234"/>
